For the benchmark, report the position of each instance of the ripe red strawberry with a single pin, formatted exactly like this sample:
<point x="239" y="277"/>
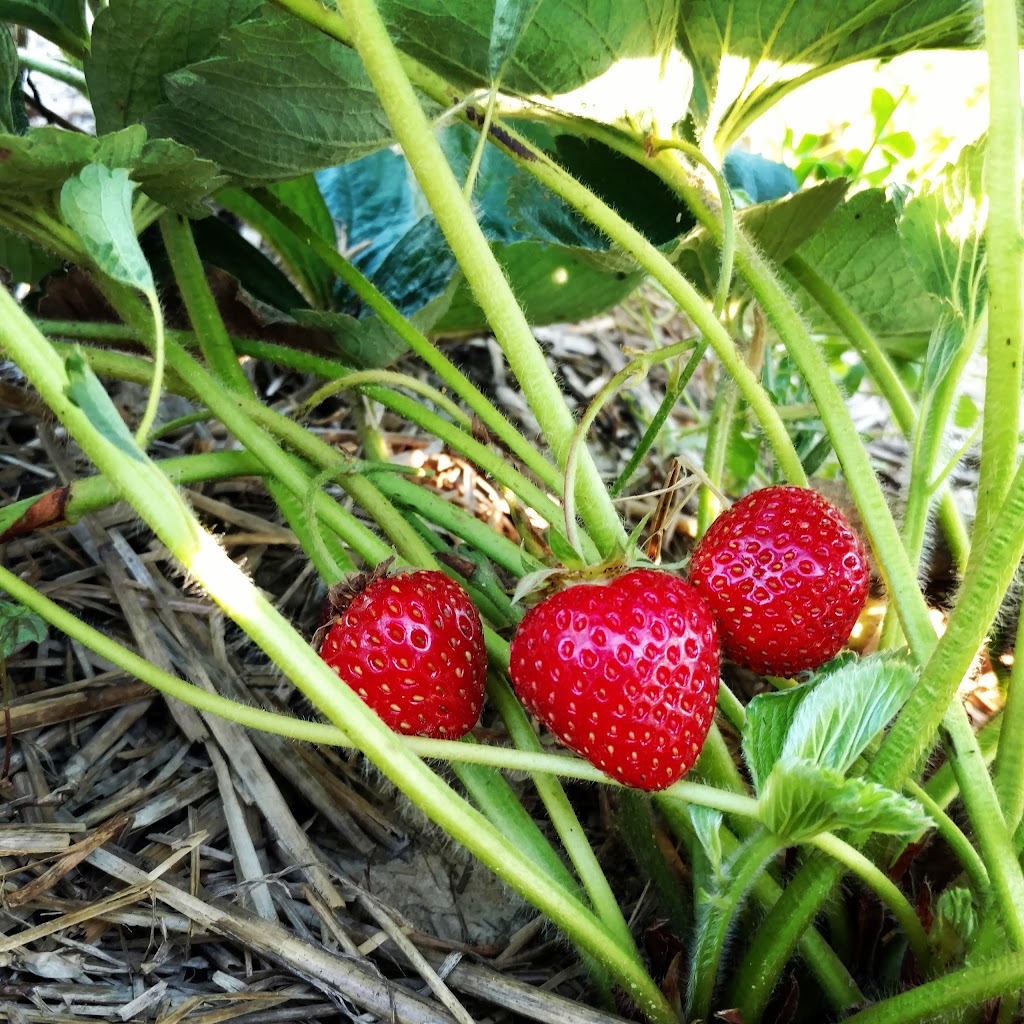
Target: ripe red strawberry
<point x="786" y="577"/>
<point x="412" y="647"/>
<point x="623" y="672"/>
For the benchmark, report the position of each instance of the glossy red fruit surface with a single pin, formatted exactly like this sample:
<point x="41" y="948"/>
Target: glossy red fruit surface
<point x="786" y="577"/>
<point x="412" y="647"/>
<point x="625" y="673"/>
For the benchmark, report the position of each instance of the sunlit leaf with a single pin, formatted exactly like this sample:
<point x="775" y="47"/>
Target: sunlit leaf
<point x="97" y="206"/>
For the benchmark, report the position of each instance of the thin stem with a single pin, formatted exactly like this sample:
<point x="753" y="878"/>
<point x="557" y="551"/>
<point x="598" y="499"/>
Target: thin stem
<point x="717" y="914"/>
<point x="955" y="839"/>
<point x="362" y="379"/>
<point x="1009" y="766"/>
<point x="481" y="537"/>
<point x="994" y="838"/>
<point x="492" y="419"/>
<point x="841" y="990"/>
<point x="203" y="313"/>
<point x="578" y="444"/>
<point x="888" y="382"/>
<point x="453" y="378"/>
<point x="878" y="882"/>
<point x="672" y="395"/>
<point x="1005" y="265"/>
<point x="715" y="452"/>
<point x="728" y="216"/>
<point x="934" y="1000"/>
<point x="563" y="817"/>
<point x="145" y="427"/>
<point x="58" y="70"/>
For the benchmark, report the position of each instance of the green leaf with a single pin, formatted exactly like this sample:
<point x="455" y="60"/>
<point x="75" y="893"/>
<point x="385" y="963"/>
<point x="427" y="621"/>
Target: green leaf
<point x="800" y="800"/>
<point x="26" y="261"/>
<point x="947" y="338"/>
<point x="777" y="228"/>
<point x="943" y="232"/>
<point x="554" y="260"/>
<point x="303" y="197"/>
<point x="955" y="909"/>
<point x="10" y="80"/>
<point x="135" y="43"/>
<point x="707" y="826"/>
<point x="859" y="252"/>
<point x="18" y="628"/>
<point x="883" y="104"/>
<point x="85" y="391"/>
<point x="747" y="55"/>
<point x="309" y="96"/>
<point x="511" y="20"/>
<point x="553" y="285"/>
<point x="60" y="21"/>
<point x="828" y="721"/>
<point x="562" y="47"/>
<point x="965" y="414"/>
<point x="42" y="160"/>
<point x="769" y="718"/>
<point x="846" y="709"/>
<point x="364" y="344"/>
<point x="97" y="206"/>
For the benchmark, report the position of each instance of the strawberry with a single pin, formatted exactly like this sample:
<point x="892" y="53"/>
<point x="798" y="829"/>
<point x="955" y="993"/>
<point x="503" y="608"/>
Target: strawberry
<point x="786" y="577"/>
<point x="624" y="672"/>
<point x="412" y="647"/>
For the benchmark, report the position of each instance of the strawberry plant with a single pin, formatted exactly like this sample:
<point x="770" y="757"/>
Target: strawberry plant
<point x="411" y="170"/>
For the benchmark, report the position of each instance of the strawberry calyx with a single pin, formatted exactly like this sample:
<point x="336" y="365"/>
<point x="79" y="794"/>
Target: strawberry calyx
<point x="534" y="587"/>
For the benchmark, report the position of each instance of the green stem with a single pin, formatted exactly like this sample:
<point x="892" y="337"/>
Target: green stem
<point x="564" y="818"/>
<point x="955" y="839"/>
<point x="888" y="382"/>
<point x="483" y="272"/>
<point x="779" y="935"/>
<point x="675" y="391"/>
<point x="145" y="427"/>
<point x="328" y="555"/>
<point x="896" y="569"/>
<point x="362" y="379"/>
<point x="453" y="378"/>
<point x="878" y="882"/>
<point x="994" y="838"/>
<point x="144" y="486"/>
<point x="55" y="69"/>
<point x="480" y="536"/>
<point x="202" y="308"/>
<point x="1009" y="766"/>
<point x="715" y="453"/>
<point x="1004" y="254"/>
<point x="827" y="968"/>
<point x="727" y="216"/>
<point x="965" y="989"/>
<point x="578" y="444"/>
<point x="492" y="463"/>
<point x="718" y="912"/>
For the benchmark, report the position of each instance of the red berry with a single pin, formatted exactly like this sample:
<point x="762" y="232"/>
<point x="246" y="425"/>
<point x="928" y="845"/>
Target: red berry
<point x="412" y="647"/>
<point x="786" y="577"/>
<point x="624" y="673"/>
